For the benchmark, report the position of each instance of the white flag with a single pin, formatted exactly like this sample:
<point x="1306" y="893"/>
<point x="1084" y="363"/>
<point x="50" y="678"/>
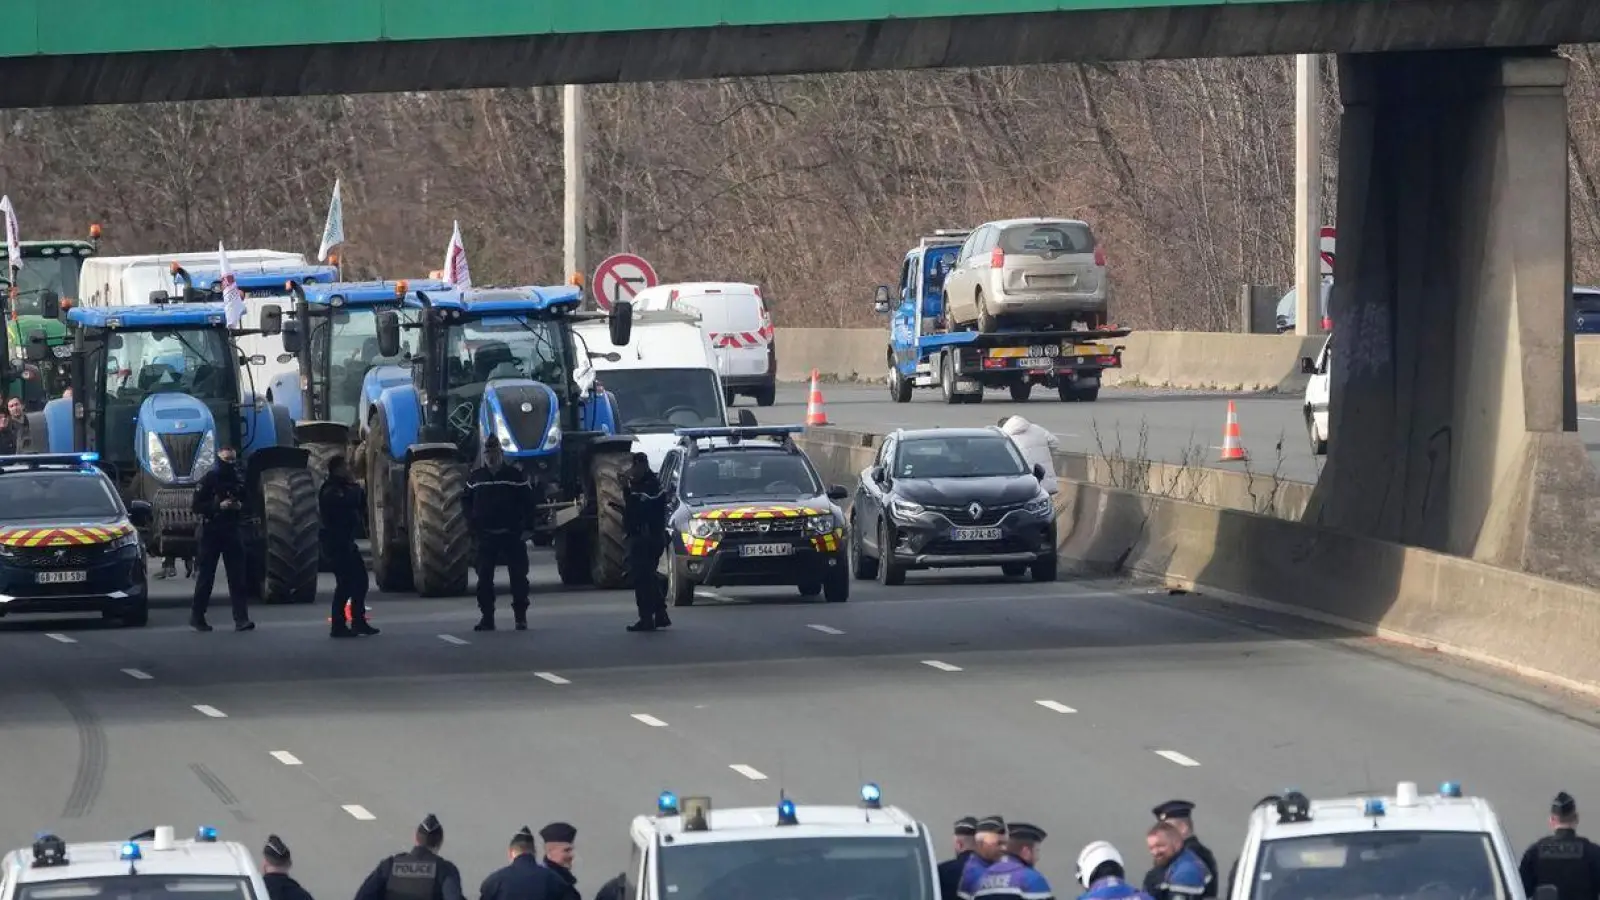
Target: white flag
<point x="333" y="231"/>
<point x="456" y="270"/>
<point x="13" y="240"/>
<point x="232" y="297"/>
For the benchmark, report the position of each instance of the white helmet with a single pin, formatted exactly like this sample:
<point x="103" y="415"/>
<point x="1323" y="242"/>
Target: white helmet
<point x="1093" y="856"/>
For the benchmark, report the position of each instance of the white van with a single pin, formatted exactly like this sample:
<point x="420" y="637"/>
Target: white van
<point x="735" y="319"/>
<point x="1319" y="391"/>
<point x="129" y="280"/>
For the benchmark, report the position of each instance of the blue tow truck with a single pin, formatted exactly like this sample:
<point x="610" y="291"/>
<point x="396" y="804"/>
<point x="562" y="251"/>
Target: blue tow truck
<point x="924" y="352"/>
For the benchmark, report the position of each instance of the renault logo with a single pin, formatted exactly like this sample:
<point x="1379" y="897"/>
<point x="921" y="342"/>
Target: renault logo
<point x="975" y="510"/>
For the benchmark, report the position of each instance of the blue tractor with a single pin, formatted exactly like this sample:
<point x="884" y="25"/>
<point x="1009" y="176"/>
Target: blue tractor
<point x="155" y="392"/>
<point x="493" y="362"/>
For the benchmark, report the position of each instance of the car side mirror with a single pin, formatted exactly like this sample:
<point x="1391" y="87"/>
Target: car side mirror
<point x="747" y="419"/>
<point x="271" y="319"/>
<point x="37" y="349"/>
<point x="879" y="475"/>
<point x="1038" y="471"/>
<point x="838" y="493"/>
<point x="1308" y="366"/>
<point x="620" y="323"/>
<point x="50" y="304"/>
<point x="258" y="360"/>
<point x="141" y="513"/>
<point x="291" y="337"/>
<point x="388" y="327"/>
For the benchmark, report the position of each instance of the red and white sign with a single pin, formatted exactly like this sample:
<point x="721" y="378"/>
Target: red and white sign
<point x="744" y="340"/>
<point x="1329" y="233"/>
<point x="621" y="277"/>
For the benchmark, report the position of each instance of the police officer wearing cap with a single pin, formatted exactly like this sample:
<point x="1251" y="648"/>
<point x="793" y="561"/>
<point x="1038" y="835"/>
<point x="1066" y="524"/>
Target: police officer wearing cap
<point x="644" y="514"/>
<point x="989" y="847"/>
<point x="1014" y="877"/>
<point x="950" y="870"/>
<point x="498" y="502"/>
<point x="419" y="874"/>
<point x="1180" y="813"/>
<point x="275" y="865"/>
<point x="342" y="503"/>
<point x="559" y="838"/>
<point x="523" y="878"/>
<point x="1563" y="859"/>
<point x="219" y="501"/>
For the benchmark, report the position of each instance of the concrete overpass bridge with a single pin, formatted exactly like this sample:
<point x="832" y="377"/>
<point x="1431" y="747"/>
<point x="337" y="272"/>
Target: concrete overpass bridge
<point x="1455" y="403"/>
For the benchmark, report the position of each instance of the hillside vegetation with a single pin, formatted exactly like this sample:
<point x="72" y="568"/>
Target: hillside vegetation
<point x="812" y="186"/>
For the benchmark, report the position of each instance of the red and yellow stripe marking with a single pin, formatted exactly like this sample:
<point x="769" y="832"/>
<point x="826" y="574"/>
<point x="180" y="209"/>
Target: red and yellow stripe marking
<point x="760" y="512"/>
<point x="62" y="537"/>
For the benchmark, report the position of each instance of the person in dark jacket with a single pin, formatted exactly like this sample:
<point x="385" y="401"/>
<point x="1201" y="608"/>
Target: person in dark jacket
<point x="219" y="500"/>
<point x="644" y="514"/>
<point x="342" y="503"/>
<point x="498" y="502"/>
<point x="950" y="870"/>
<point x="524" y="878"/>
<point x="989" y="848"/>
<point x="1562" y="859"/>
<point x="1181" y="814"/>
<point x="615" y="889"/>
<point x="275" y="865"/>
<point x="559" y="838"/>
<point x="419" y="874"/>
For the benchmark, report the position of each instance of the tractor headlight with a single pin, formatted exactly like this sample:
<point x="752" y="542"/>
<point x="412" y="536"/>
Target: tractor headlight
<point x="160" y="464"/>
<point x="821" y="524"/>
<point x="502" y="432"/>
<point x="552" y="438"/>
<point x="206" y="457"/>
<point x="704" y="528"/>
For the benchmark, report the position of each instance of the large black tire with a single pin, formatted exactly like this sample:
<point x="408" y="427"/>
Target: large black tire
<point x="441" y="543"/>
<point x="391" y="561"/>
<point x="608" y="557"/>
<point x="836" y="585"/>
<point x="680" y="590"/>
<point x="889" y="574"/>
<point x="291" y="522"/>
<point x="1021" y="392"/>
<point x="766" y="395"/>
<point x="864" y="567"/>
<point x="899" y="385"/>
<point x="317" y="465"/>
<point x="572" y="556"/>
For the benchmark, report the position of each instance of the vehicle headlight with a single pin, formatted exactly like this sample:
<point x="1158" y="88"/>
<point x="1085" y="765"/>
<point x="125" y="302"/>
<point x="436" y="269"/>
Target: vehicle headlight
<point x="206" y="457"/>
<point x="131" y="539"/>
<point x="905" y="509"/>
<point x="704" y="528"/>
<point x="1040" y="506"/>
<point x="821" y="524"/>
<point x="552" y="438"/>
<point x="502" y="432"/>
<point x="160" y="464"/>
<point x="7" y="552"/>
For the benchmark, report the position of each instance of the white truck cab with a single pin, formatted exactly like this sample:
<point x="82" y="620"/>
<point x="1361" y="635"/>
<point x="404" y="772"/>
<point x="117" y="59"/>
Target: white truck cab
<point x="1442" y="845"/>
<point x="689" y="851"/>
<point x="1319" y="391"/>
<point x="153" y="865"/>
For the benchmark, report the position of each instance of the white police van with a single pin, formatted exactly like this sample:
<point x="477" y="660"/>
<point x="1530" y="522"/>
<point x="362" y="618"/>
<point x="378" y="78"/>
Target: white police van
<point x="1440" y="846"/>
<point x="151" y="866"/>
<point x="690" y="851"/>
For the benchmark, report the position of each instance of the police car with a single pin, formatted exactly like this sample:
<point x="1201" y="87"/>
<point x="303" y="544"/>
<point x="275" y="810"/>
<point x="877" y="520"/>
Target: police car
<point x="150" y="866"/>
<point x="1440" y="846"/>
<point x="68" y="544"/>
<point x="744" y="509"/>
<point x="689" y="851"/>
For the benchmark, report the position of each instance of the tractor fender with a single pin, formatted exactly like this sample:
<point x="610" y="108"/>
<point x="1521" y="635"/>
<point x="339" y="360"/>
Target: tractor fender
<point x="402" y="411"/>
<point x="336" y="433"/>
<point x="598" y="412"/>
<point x="284" y="390"/>
<point x="58" y="422"/>
<point x="419" y="452"/>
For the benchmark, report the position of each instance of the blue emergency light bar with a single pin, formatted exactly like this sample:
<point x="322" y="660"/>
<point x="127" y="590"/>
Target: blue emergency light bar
<point x="740" y="431"/>
<point x="47" y="460"/>
<point x="206" y="834"/>
<point x="871" y="796"/>
<point x="1450" y="789"/>
<point x="786" y="812"/>
<point x="667" y="804"/>
<point x="1374" y="807"/>
<point x="130" y="852"/>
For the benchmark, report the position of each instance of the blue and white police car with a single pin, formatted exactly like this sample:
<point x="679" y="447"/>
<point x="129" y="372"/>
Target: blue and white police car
<point x="690" y="851"/>
<point x="153" y="865"/>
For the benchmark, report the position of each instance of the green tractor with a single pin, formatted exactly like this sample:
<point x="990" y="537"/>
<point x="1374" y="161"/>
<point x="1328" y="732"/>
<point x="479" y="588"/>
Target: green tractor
<point x="49" y="274"/>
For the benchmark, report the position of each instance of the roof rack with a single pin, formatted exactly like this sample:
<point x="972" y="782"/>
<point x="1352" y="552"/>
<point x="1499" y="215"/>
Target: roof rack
<point x="737" y="434"/>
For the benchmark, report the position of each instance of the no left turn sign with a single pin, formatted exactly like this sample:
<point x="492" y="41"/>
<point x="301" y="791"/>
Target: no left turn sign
<point x="621" y="277"/>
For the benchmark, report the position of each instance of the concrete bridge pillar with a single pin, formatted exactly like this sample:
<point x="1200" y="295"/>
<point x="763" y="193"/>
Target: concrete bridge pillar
<point x="1454" y="410"/>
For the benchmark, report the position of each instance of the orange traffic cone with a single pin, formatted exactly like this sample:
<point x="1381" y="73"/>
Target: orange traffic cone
<point x="815" y="414"/>
<point x="349" y="617"/>
<point x="1232" y="446"/>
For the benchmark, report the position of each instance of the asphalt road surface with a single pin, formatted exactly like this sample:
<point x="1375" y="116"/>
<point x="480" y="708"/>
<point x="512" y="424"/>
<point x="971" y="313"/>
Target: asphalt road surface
<point x="1166" y="425"/>
<point x="1077" y="706"/>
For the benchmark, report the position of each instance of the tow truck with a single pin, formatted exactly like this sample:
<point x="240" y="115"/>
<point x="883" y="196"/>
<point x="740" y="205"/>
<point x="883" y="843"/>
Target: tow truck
<point x="924" y="352"/>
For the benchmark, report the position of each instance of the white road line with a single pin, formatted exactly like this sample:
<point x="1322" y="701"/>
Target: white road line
<point x="358" y="812"/>
<point x="140" y="675"/>
<point x="1054" y="706"/>
<point x="211" y="711"/>
<point x="1176" y="757"/>
<point x="941" y="666"/>
<point x="824" y="629"/>
<point x="748" y="772"/>
<point x="452" y="639"/>
<point x="1588" y="419"/>
<point x="285" y="757"/>
<point x="650" y="720"/>
<point x="551" y="677"/>
<point x="60" y="637"/>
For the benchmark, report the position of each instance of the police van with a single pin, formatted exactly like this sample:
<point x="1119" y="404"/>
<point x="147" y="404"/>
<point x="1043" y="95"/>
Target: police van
<point x="153" y="865"/>
<point x="1443" y="846"/>
<point x="690" y="851"/>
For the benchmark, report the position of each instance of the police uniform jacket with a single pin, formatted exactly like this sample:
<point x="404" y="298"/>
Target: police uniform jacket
<point x="1184" y="877"/>
<point x="524" y="879"/>
<point x="567" y="878"/>
<point x="1565" y="860"/>
<point x="615" y="889"/>
<point x="644" y="509"/>
<point x="498" y="501"/>
<point x="281" y="887"/>
<point x="419" y="874"/>
<point x="950" y="875"/>
<point x="1012" y="879"/>
<point x="970" y="873"/>
<point x="341" y="502"/>
<point x="1112" y="888"/>
<point x="1192" y="844"/>
<point x="219" y="484"/>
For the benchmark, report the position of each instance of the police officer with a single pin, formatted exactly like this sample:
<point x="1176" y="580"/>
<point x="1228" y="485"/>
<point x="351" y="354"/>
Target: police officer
<point x="1103" y="876"/>
<point x="341" y="502"/>
<point x="219" y="501"/>
<point x="523" y="878"/>
<point x="950" y="870"/>
<point x="1178" y="874"/>
<point x="989" y="846"/>
<point x="275" y="865"/>
<point x="1180" y="813"/>
<point x="559" y="838"/>
<point x="498" y="500"/>
<point x="420" y="874"/>
<point x="644" y="513"/>
<point x="1014" y="876"/>
<point x="1563" y="859"/>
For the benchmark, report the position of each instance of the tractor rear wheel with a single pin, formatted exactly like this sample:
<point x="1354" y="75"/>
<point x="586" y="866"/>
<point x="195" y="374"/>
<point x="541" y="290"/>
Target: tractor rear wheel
<point x="289" y="510"/>
<point x="440" y="540"/>
<point x="608" y="556"/>
<point x="386" y="510"/>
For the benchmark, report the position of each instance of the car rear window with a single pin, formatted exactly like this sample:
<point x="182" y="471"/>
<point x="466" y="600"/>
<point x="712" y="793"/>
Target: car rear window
<point x="1062" y="237"/>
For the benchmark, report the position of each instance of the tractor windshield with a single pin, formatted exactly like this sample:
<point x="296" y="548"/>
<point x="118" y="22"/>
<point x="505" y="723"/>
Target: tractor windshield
<point x="53" y="272"/>
<point x="477" y="352"/>
<point x="133" y="365"/>
<point x="344" y="347"/>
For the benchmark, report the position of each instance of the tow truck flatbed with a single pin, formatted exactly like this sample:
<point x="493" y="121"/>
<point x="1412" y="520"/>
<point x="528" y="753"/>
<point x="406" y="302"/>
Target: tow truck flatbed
<point x="939" y="340"/>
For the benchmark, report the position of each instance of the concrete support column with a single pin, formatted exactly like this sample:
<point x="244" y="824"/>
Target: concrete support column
<point x="1308" y="194"/>
<point x="1453" y="407"/>
<point x="574" y="147"/>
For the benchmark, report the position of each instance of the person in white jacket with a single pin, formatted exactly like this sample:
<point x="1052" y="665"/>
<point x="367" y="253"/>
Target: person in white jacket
<point x="1037" y="444"/>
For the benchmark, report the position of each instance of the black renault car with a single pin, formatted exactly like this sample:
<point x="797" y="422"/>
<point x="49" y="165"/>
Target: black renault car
<point x="746" y="508"/>
<point x="67" y="543"/>
<point x="948" y="498"/>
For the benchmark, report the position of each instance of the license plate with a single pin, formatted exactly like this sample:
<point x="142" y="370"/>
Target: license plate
<point x="966" y="386"/>
<point x="1015" y="352"/>
<point x="766" y="549"/>
<point x="974" y="534"/>
<point x="1037" y="362"/>
<point x="63" y="577"/>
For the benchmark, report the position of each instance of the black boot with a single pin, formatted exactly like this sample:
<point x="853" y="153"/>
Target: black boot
<point x="643" y="625"/>
<point x="362" y="628"/>
<point x="341" y="630"/>
<point x="484" y="624"/>
<point x="663" y="621"/>
<point x="198" y="623"/>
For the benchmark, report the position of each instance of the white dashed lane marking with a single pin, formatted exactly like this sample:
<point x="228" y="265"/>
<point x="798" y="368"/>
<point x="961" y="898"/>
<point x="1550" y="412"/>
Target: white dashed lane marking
<point x="285" y="757"/>
<point x="1055" y="707"/>
<point x="1174" y="756"/>
<point x="358" y="812"/>
<point x="60" y="638"/>
<point x="749" y="772"/>
<point x="452" y="639"/>
<point x="825" y="629"/>
<point x="551" y="677"/>
<point x="940" y="665"/>
<point x="650" y="720"/>
<point x="137" y="674"/>
<point x="211" y="711"/>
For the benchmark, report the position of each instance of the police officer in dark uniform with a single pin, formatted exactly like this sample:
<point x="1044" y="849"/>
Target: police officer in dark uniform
<point x="950" y="870"/>
<point x="1181" y="814"/>
<point x="523" y="878"/>
<point x="559" y="838"/>
<point x="644" y="514"/>
<point x="219" y="500"/>
<point x="420" y="874"/>
<point x="1563" y="859"/>
<point x="498" y="501"/>
<point x="1015" y="875"/>
<point x="989" y="848"/>
<point x="275" y="865"/>
<point x="342" y="502"/>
